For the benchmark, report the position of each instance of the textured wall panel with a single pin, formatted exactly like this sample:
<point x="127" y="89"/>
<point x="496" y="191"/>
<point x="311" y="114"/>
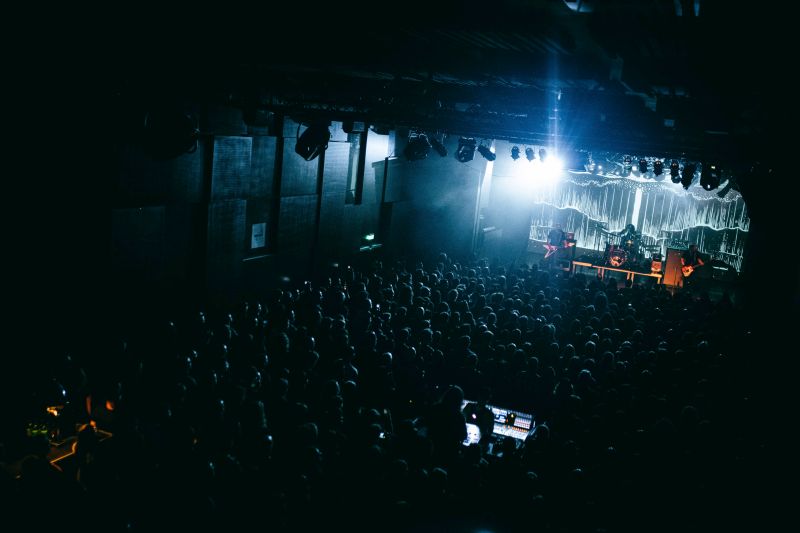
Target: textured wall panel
<point x="297" y="220"/>
<point x="337" y="159"/>
<point x="334" y="184"/>
<point x="337" y="133"/>
<point x="298" y="176"/>
<point x="224" y="120"/>
<point x="142" y="180"/>
<point x="230" y="171"/>
<point x="290" y="131"/>
<point x="262" y="166"/>
<point x="226" y="239"/>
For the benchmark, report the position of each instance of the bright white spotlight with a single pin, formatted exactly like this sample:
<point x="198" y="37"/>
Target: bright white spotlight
<point x="524" y="181"/>
<point x="550" y="169"/>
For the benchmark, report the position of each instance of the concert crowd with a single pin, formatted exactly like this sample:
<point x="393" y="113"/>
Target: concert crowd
<point x="337" y="404"/>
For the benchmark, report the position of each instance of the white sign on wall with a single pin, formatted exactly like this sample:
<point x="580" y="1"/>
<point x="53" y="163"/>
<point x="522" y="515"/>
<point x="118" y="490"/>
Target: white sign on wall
<point x="258" y="237"/>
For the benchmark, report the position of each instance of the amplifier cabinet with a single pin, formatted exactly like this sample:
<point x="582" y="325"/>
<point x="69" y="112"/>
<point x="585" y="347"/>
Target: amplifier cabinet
<point x="672" y="267"/>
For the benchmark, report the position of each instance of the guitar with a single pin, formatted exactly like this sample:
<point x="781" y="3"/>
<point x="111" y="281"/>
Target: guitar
<point x="560" y="238"/>
<point x="551" y="248"/>
<point x="687" y="270"/>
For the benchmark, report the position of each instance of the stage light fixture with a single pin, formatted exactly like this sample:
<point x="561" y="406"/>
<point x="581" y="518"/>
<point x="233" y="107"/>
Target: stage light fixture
<point x="674" y="172"/>
<point x="658" y="167"/>
<point x="590" y="165"/>
<point x="627" y="166"/>
<point x="642" y="166"/>
<point x="710" y="176"/>
<point x="688" y="174"/>
<point x="313" y="141"/>
<point x="487" y="153"/>
<point x="529" y="153"/>
<point x="466" y="149"/>
<point x="439" y="146"/>
<point x="418" y="147"/>
<point x="515" y="152"/>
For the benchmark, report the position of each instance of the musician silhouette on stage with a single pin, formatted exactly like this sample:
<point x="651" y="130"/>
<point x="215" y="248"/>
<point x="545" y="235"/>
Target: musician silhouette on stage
<point x="555" y="240"/>
<point x="690" y="261"/>
<point x="628" y="234"/>
<point x="629" y="242"/>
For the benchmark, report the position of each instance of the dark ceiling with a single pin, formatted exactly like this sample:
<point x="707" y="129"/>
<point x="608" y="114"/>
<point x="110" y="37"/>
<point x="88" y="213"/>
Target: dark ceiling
<point x="660" y="77"/>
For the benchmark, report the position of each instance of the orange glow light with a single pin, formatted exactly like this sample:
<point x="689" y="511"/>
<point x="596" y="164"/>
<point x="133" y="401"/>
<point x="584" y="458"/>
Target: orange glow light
<point x="54" y="410"/>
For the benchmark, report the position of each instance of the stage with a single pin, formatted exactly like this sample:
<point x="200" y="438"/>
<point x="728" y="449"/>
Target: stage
<point x="602" y="269"/>
<point x="715" y="282"/>
<point x="577" y="260"/>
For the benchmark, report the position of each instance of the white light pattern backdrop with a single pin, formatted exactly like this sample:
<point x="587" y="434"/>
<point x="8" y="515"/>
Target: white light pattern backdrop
<point x="665" y="213"/>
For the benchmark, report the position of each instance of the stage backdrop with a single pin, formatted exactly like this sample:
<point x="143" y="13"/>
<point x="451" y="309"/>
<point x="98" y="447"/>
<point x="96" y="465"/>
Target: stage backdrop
<point x="665" y="213"/>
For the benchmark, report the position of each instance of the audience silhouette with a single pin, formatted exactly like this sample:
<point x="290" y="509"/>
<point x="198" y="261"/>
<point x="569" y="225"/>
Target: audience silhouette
<point x="339" y="405"/>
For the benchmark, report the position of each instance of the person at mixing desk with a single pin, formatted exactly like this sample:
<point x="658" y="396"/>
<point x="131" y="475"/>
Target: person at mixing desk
<point x="480" y="414"/>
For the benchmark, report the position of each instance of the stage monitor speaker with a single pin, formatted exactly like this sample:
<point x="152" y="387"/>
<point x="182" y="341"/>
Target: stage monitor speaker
<point x="567" y="254"/>
<point x="656" y="263"/>
<point x="563" y="257"/>
<point x="672" y="268"/>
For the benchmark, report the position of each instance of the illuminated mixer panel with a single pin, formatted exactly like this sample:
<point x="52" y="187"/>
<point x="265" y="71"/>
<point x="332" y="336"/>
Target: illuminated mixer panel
<point x="510" y="423"/>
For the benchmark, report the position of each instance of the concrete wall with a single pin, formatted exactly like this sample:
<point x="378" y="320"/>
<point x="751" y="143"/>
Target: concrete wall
<point x="183" y="228"/>
<point x="508" y="206"/>
<point x="434" y="202"/>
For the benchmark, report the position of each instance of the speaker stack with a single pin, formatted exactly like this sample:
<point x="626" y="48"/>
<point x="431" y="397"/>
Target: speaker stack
<point x="563" y="257"/>
<point x="672" y="267"/>
<point x="656" y="263"/>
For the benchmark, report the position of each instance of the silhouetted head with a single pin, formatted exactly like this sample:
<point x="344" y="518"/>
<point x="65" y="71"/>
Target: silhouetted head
<point x="453" y="397"/>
